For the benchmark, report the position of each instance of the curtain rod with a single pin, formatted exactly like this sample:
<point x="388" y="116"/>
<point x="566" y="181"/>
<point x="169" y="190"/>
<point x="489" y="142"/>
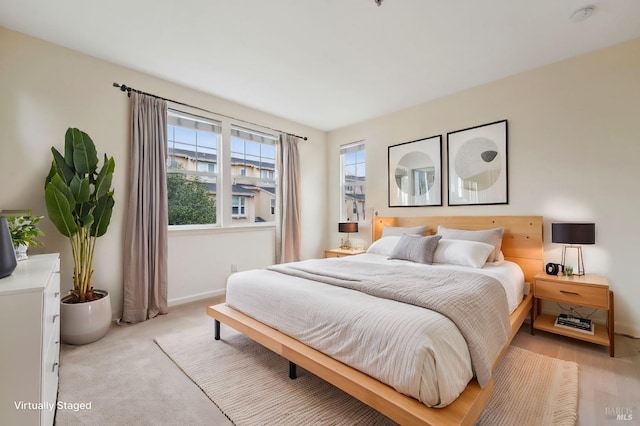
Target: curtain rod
<point x="125" y="88"/>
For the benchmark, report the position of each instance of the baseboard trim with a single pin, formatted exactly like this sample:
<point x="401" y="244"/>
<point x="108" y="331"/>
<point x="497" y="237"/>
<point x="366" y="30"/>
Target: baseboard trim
<point x="195" y="297"/>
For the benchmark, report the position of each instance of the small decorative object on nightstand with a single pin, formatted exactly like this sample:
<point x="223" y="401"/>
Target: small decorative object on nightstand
<point x="584" y="290"/>
<point x="339" y="252"/>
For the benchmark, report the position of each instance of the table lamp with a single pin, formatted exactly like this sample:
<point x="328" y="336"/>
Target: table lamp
<point x="347" y="227"/>
<point x="570" y="234"/>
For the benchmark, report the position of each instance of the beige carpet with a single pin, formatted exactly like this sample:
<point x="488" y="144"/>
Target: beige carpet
<point x="250" y="385"/>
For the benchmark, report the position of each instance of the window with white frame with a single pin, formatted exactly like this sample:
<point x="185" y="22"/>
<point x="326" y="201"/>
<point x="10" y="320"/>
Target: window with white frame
<point x="238" y="207"/>
<point x="352" y="182"/>
<point x="192" y="165"/>
<point x="253" y="168"/>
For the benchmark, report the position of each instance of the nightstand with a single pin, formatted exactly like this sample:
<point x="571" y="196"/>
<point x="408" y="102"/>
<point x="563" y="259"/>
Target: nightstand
<point x="342" y="252"/>
<point x="586" y="290"/>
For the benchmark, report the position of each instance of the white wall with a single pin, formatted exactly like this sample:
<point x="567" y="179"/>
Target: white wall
<point x="573" y="152"/>
<point x="44" y="89"/>
<point x="242" y="249"/>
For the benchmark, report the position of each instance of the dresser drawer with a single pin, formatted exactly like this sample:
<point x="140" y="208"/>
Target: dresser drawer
<point x="51" y="314"/>
<point x="576" y="294"/>
<point x="50" y="367"/>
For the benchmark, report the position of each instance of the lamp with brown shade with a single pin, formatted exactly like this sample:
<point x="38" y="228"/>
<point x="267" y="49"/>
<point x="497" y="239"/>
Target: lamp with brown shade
<point x="347" y="227"/>
<point x="571" y="234"/>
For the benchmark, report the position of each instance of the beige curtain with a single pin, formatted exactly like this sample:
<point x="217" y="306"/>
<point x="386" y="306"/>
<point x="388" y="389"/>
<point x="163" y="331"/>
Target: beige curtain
<point x="145" y="245"/>
<point x="288" y="201"/>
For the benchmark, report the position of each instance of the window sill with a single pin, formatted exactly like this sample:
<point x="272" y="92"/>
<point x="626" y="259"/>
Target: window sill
<point x="216" y="229"/>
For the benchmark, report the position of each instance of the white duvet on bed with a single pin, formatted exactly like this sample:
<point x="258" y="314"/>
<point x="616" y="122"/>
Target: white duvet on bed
<point x="419" y="352"/>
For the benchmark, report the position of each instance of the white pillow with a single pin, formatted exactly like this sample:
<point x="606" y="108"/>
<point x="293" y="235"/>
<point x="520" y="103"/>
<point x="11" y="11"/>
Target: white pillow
<point x="489" y="236"/>
<point x="392" y="231"/>
<point x="384" y="245"/>
<point x="462" y="252"/>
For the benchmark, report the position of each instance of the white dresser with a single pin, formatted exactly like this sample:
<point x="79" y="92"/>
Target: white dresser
<point x="30" y="341"/>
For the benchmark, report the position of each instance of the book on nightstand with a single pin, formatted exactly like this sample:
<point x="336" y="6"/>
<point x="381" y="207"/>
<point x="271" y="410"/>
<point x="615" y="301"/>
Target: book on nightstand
<point x="582" y="325"/>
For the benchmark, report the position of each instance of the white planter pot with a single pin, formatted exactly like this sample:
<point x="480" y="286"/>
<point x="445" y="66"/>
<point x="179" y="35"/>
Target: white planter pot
<point x="82" y="323"/>
<point x="21" y="252"/>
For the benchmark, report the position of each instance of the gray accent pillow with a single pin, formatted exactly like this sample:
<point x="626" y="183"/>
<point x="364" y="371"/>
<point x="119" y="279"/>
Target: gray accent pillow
<point x="391" y="231"/>
<point x="489" y="236"/>
<point x="416" y="248"/>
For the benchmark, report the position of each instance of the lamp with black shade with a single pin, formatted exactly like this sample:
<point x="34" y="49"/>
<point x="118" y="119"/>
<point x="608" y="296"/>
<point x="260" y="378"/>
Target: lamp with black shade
<point x="347" y="227"/>
<point x="571" y="234"/>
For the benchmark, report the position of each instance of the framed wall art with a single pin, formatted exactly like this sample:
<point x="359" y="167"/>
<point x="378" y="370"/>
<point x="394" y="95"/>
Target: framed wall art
<point x="415" y="173"/>
<point x="477" y="165"/>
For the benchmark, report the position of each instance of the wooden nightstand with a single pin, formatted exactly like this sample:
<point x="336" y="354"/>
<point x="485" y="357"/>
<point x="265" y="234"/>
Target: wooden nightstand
<point x="342" y="252"/>
<point x="585" y="290"/>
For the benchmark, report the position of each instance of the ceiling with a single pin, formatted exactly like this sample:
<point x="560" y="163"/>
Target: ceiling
<point x="326" y="63"/>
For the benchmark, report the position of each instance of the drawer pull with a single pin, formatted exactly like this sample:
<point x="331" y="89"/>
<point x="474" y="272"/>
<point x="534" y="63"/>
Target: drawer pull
<point x="56" y="294"/>
<point x="569" y="292"/>
<point x="54" y="317"/>
<point x="53" y="367"/>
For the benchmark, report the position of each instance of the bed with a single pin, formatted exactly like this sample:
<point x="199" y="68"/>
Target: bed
<point x="521" y="245"/>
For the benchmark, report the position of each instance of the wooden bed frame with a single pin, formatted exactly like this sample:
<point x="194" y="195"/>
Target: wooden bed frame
<point x="522" y="243"/>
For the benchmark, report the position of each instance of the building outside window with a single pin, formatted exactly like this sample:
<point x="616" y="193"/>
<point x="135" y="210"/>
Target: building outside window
<point x="352" y="182"/>
<point x="253" y="164"/>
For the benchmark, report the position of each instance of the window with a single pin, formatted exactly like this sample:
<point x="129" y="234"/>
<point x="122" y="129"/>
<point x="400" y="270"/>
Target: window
<point x="253" y="165"/>
<point x="195" y="169"/>
<point x="192" y="151"/>
<point x="239" y="207"/>
<point x="207" y="167"/>
<point x="352" y="182"/>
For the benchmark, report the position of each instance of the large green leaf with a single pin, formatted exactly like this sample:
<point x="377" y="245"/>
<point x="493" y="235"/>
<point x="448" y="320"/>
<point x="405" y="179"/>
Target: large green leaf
<point x="52" y="173"/>
<point x="59" y="210"/>
<point x="68" y="147"/>
<point x="103" y="181"/>
<point x="65" y="171"/>
<point x="85" y="157"/>
<point x="102" y="215"/>
<point x="80" y="189"/>
<point x="57" y="181"/>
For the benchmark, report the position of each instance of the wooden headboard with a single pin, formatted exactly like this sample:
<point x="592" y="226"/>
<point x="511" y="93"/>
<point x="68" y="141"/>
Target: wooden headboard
<point x="522" y="241"/>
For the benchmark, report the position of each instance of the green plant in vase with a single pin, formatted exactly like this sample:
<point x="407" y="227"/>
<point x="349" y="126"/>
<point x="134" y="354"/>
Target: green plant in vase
<point x="24" y="233"/>
<point x="79" y="202"/>
<point x="24" y="230"/>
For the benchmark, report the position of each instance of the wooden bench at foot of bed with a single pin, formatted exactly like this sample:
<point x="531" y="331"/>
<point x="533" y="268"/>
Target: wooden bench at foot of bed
<point x="403" y="409"/>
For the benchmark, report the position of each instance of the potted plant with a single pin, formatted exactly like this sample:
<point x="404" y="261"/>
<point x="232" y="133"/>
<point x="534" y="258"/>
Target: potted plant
<point x="24" y="233"/>
<point x="79" y="202"/>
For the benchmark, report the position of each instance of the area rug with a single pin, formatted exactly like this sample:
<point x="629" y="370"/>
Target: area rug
<point x="250" y="385"/>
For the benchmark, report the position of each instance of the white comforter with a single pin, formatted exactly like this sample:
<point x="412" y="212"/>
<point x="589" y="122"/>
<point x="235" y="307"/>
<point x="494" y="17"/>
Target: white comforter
<point x="419" y="352"/>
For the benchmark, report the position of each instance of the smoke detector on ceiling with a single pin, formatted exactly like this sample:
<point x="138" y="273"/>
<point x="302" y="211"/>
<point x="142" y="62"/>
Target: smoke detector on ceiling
<point x="582" y="14"/>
